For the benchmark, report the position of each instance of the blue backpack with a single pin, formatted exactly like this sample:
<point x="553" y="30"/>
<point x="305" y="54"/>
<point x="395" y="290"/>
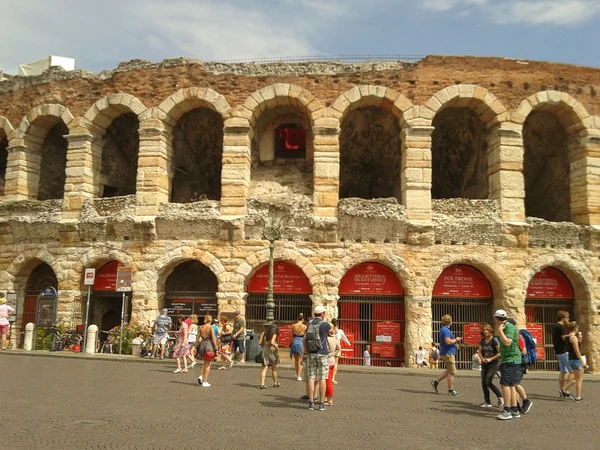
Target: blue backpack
<point x="530" y="358"/>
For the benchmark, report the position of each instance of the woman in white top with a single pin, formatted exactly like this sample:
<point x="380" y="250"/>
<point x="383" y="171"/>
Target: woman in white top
<point x="341" y="337"/>
<point x="192" y="335"/>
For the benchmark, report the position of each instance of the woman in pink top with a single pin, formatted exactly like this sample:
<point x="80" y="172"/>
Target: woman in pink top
<point x="181" y="349"/>
<point x="5" y="312"/>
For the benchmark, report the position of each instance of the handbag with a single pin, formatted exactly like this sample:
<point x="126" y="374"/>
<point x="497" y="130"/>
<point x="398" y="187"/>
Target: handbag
<point x="226" y="338"/>
<point x="209" y="356"/>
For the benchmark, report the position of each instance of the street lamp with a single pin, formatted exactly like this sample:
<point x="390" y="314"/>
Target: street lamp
<point x="272" y="232"/>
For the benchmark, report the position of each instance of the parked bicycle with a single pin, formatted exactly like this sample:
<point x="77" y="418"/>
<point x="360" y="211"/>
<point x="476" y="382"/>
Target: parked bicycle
<point x="56" y="340"/>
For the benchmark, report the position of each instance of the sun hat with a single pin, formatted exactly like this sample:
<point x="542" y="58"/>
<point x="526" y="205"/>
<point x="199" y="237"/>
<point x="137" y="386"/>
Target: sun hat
<point x="500" y="314"/>
<point x="2" y="301"/>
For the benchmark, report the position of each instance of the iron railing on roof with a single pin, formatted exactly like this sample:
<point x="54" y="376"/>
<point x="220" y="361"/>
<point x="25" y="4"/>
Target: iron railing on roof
<point x="356" y="59"/>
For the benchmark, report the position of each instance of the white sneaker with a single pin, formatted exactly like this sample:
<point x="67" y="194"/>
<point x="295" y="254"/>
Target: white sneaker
<point x="205" y="384"/>
<point x="505" y="415"/>
<point x="200" y="380"/>
<point x="299" y="378"/>
<point x="192" y="365"/>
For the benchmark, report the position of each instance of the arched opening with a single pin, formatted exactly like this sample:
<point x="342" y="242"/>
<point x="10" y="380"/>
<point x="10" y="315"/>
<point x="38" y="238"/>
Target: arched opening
<point x="465" y="294"/>
<point x="282" y="154"/>
<point x="106" y="303"/>
<point x="40" y="279"/>
<point x="546" y="168"/>
<point x="3" y="161"/>
<point x="53" y="163"/>
<point x="459" y="155"/>
<point x="291" y="288"/>
<point x="371" y="312"/>
<point x="120" y="156"/>
<point x="549" y="292"/>
<point x="197" y="153"/>
<point x="370" y="154"/>
<point x="191" y="289"/>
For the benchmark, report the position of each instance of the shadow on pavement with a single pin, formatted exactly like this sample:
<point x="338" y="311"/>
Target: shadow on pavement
<point x="417" y="391"/>
<point x="547" y="397"/>
<point x="247" y="385"/>
<point x="284" y="402"/>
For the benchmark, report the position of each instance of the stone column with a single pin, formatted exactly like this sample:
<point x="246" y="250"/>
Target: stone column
<point x="229" y="302"/>
<point x="418" y="326"/>
<point x="505" y="171"/>
<point x="235" y="174"/>
<point x="69" y="311"/>
<point x="145" y="305"/>
<point x="513" y="302"/>
<point x="329" y="301"/>
<point x="584" y="156"/>
<point x="22" y="171"/>
<point x="326" y="170"/>
<point x="416" y="173"/>
<point x="84" y="159"/>
<point x="153" y="183"/>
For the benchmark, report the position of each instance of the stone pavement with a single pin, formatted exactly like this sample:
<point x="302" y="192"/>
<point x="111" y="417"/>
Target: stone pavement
<point x="78" y="403"/>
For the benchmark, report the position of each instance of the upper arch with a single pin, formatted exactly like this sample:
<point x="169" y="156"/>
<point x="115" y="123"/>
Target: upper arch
<point x="39" y="120"/>
<point x="105" y="110"/>
<point x="184" y="100"/>
<point x="567" y="110"/>
<point x="5" y="126"/>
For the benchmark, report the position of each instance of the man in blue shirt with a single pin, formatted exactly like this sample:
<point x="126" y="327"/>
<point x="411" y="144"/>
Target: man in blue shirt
<point x="447" y="355"/>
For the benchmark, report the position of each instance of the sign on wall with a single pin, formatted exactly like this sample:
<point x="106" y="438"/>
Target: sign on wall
<point x="387" y="332"/>
<point x="537" y="333"/>
<point x="348" y="350"/>
<point x="370" y="279"/>
<point x="462" y="282"/>
<point x="285" y="336"/>
<point x="287" y="279"/>
<point x="123" y="282"/>
<point x="550" y="283"/>
<point x="106" y="277"/>
<point x="90" y="276"/>
<point x="472" y="333"/>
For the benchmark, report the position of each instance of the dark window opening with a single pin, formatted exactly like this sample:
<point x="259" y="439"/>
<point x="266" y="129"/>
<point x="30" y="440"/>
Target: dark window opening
<point x="459" y="155"/>
<point x="120" y="156"/>
<point x="290" y="142"/>
<point x="3" y="163"/>
<point x="546" y="168"/>
<point x="53" y="164"/>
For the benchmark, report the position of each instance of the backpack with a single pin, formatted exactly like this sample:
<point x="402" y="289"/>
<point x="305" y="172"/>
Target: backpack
<point x="313" y="337"/>
<point x="435" y="355"/>
<point x="530" y="357"/>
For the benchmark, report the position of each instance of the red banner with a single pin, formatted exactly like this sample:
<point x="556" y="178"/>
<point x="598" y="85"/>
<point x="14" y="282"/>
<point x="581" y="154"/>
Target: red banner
<point x="287" y="279"/>
<point x="537" y="333"/>
<point x="550" y="283"/>
<point x="384" y="350"/>
<point x="387" y="332"/>
<point x="370" y="279"/>
<point x="106" y="277"/>
<point x="462" y="282"/>
<point x="348" y="350"/>
<point x="472" y="334"/>
<point x="285" y="336"/>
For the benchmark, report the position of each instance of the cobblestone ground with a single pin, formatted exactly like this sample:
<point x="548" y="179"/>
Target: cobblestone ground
<point x="80" y="404"/>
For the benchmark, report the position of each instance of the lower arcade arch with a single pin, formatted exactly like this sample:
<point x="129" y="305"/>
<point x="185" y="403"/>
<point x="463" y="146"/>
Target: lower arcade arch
<point x="371" y="313"/>
<point x="106" y="304"/>
<point x="41" y="278"/>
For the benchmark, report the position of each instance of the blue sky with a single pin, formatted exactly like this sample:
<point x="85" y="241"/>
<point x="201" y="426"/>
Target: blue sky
<point x="101" y="34"/>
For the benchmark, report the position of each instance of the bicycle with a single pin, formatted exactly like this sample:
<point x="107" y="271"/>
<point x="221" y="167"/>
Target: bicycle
<point x="53" y="340"/>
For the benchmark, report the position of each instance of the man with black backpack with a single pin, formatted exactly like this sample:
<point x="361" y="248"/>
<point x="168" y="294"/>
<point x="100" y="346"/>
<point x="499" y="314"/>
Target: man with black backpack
<point x="315" y="345"/>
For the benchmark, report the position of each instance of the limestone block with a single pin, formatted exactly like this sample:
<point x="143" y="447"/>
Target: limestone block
<point x="329" y="199"/>
<point x="327" y="170"/>
<point x="353" y="95"/>
<point x="325" y="211"/>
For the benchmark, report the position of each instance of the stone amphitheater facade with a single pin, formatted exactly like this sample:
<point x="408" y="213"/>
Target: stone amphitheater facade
<point x="410" y="231"/>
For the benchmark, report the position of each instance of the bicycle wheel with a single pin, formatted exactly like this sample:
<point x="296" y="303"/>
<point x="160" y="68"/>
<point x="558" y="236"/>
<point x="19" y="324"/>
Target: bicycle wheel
<point x="48" y="342"/>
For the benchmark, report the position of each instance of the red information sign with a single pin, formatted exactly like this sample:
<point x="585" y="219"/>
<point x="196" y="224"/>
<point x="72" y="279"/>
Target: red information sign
<point x="462" y="282"/>
<point x="348" y="350"/>
<point x="106" y="277"/>
<point x="387" y="332"/>
<point x="472" y="333"/>
<point x="537" y="333"/>
<point x="370" y="279"/>
<point x="285" y="336"/>
<point x="384" y="350"/>
<point x="550" y="283"/>
<point x="287" y="279"/>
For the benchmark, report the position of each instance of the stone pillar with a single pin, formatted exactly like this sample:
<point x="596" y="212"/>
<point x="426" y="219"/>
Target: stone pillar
<point x="84" y="159"/>
<point x="418" y="326"/>
<point x="29" y="334"/>
<point x="235" y="174"/>
<point x="69" y="311"/>
<point x="329" y="301"/>
<point x="513" y="302"/>
<point x="228" y="302"/>
<point x="584" y="156"/>
<point x="505" y="171"/>
<point x="154" y="158"/>
<point x="416" y="173"/>
<point x="22" y="171"/>
<point x="326" y="170"/>
<point x="145" y="305"/>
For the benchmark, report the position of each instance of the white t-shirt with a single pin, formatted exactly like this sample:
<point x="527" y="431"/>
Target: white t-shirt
<point x="420" y="356"/>
<point x="5" y="310"/>
<point x="366" y="358"/>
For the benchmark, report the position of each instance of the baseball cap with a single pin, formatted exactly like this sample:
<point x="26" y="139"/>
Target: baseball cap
<point x="165" y="310"/>
<point x="237" y="313"/>
<point x="500" y="314"/>
<point x="319" y="310"/>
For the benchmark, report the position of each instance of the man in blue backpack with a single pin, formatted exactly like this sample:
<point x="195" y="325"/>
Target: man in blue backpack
<point x="315" y="344"/>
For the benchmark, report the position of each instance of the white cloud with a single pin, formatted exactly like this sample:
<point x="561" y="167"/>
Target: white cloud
<point x="447" y="5"/>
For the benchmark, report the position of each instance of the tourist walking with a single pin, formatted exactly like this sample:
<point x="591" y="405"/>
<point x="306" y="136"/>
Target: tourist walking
<point x="206" y="349"/>
<point x="333" y="347"/>
<point x="270" y="354"/>
<point x="559" y="333"/>
<point x="420" y="358"/>
<point x="182" y="347"/>
<point x="225" y="338"/>
<point x="576" y="360"/>
<point x="192" y="338"/>
<point x="434" y="356"/>
<point x="341" y="337"/>
<point x="297" y="348"/>
<point x="489" y="354"/>
<point x="160" y="330"/>
<point x="525" y="404"/>
<point x="239" y="336"/>
<point x="447" y="354"/>
<point x="315" y="344"/>
<point x="510" y="357"/>
<point x="5" y="313"/>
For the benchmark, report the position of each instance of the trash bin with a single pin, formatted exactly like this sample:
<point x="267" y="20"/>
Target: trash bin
<point x="252" y="345"/>
<point x="136" y="346"/>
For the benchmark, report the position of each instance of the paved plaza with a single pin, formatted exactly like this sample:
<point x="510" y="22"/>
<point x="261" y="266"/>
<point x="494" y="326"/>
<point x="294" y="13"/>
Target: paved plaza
<point x="74" y="403"/>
